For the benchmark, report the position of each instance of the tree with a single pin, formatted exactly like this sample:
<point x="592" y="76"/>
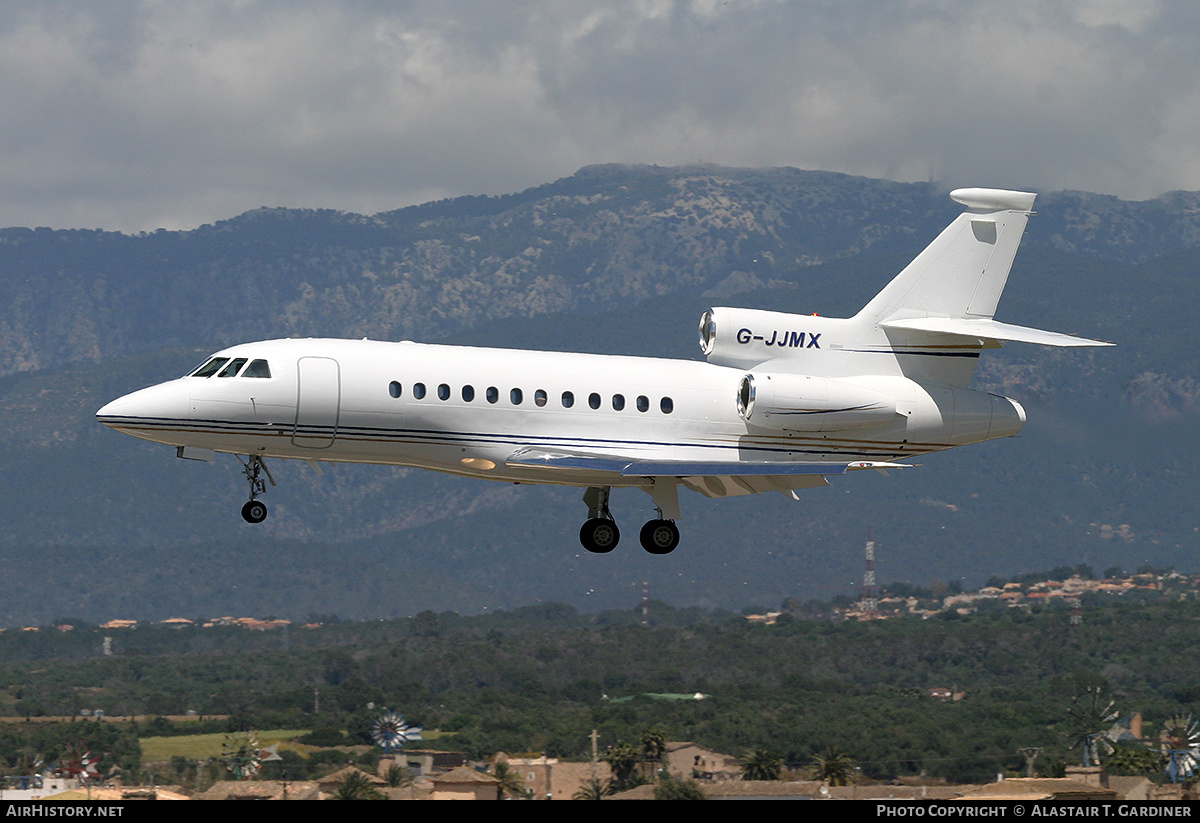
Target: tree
<point x="511" y="784"/>
<point x="669" y="788"/>
<point x="622" y="758"/>
<point x="356" y="786"/>
<point x="1133" y="759"/>
<point x="594" y="789"/>
<point x="760" y="764"/>
<point x="654" y="745"/>
<point x="398" y="777"/>
<point x="833" y="766"/>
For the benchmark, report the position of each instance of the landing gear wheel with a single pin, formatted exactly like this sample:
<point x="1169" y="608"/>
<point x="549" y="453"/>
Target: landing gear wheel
<point x="660" y="536"/>
<point x="255" y="511"/>
<point x="599" y="535"/>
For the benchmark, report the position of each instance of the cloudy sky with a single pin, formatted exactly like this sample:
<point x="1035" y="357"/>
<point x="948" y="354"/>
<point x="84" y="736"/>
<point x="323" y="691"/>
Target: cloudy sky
<point x="139" y="115"/>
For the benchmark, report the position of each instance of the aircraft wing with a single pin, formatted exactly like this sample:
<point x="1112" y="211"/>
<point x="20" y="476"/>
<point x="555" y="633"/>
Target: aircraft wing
<point x="989" y="330"/>
<point x="711" y="478"/>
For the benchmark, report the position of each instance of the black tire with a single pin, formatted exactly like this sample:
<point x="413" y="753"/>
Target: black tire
<point x="599" y="535"/>
<point x="255" y="511"/>
<point x="660" y="536"/>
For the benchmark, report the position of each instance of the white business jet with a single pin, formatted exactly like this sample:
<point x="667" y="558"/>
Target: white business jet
<point x="783" y="401"/>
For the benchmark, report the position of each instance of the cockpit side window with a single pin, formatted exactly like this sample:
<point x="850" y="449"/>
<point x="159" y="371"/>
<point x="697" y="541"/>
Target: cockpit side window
<point x="235" y="365"/>
<point x="211" y="367"/>
<point x="257" y="368"/>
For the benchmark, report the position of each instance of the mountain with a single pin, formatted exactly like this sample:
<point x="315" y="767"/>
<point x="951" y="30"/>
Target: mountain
<point x="616" y="259"/>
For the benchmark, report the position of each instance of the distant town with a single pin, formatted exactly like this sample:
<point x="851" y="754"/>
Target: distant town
<point x="1061" y="588"/>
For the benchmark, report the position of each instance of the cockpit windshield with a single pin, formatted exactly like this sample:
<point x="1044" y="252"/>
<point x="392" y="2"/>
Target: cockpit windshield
<point x="235" y="365"/>
<point x="211" y="367"/>
<point x="224" y="367"/>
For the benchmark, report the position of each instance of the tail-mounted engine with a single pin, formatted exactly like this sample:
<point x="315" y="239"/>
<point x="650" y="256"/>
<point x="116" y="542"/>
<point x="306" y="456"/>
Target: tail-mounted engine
<point x="797" y="402"/>
<point x="745" y="337"/>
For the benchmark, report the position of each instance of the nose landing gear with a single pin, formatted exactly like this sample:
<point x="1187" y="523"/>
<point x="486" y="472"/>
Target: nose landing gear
<point x="255" y="511"/>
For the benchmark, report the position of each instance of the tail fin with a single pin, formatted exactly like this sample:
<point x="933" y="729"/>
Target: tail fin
<point x="954" y="285"/>
<point x="963" y="271"/>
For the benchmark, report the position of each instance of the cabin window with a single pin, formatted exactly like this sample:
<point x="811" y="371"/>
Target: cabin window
<point x="539" y="398"/>
<point x="443" y="392"/>
<point x="643" y="403"/>
<point x="666" y="405"/>
<point x="211" y="367"/>
<point x="568" y="399"/>
<point x="394" y="389"/>
<point x="233" y="368"/>
<point x="515" y="396"/>
<point x="594" y="400"/>
<point x="419" y="391"/>
<point x="618" y="402"/>
<point x="257" y="368"/>
<point x="468" y="393"/>
<point x="493" y="394"/>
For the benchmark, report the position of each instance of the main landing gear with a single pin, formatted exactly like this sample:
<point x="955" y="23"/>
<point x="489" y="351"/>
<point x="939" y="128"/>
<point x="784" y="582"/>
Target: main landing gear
<point x="600" y="534"/>
<point x="255" y="511"/>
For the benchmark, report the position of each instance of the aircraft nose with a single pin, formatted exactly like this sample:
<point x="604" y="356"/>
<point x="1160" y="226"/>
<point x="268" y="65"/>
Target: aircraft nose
<point x="147" y="407"/>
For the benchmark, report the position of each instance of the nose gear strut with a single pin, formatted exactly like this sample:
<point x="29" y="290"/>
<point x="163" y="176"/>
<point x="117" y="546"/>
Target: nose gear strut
<point x="255" y="511"/>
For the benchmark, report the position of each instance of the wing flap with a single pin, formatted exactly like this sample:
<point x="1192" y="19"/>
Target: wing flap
<point x="638" y="467"/>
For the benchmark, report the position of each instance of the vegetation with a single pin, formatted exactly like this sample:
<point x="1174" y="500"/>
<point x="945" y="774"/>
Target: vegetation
<point x="537" y="681"/>
<point x="357" y="786"/>
<point x="511" y="784"/>
<point x="622" y="758"/>
<point x="833" y="766"/>
<point x="594" y="789"/>
<point x="668" y="788"/>
<point x="760" y="764"/>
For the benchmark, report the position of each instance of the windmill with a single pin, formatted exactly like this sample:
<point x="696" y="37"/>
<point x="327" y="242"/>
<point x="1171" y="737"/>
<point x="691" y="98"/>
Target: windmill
<point x="390" y="732"/>
<point x="1092" y="716"/>
<point x="1179" y="742"/>
<point x="244" y="754"/>
<point x="78" y="762"/>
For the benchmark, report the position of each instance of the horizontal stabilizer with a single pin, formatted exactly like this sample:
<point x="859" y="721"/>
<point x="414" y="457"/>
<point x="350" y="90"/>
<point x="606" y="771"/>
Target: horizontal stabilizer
<point x="989" y="330"/>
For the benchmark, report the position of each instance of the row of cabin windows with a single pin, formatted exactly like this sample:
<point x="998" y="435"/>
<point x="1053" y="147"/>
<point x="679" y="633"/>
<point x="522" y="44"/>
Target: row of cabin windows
<point x="540" y="398"/>
<point x="219" y="367"/>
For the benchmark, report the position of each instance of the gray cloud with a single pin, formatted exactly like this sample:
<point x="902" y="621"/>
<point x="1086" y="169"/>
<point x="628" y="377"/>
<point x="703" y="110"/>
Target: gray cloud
<point x="143" y="114"/>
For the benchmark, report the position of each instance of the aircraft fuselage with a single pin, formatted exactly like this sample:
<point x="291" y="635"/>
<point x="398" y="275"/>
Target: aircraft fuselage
<point x="467" y="410"/>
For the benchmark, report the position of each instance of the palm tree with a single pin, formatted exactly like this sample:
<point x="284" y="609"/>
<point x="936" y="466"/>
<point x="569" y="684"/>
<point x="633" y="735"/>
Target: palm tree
<point x="398" y="777"/>
<point x="760" y="764"/>
<point x="511" y="784"/>
<point x="833" y="766"/>
<point x="594" y="789"/>
<point x="356" y="786"/>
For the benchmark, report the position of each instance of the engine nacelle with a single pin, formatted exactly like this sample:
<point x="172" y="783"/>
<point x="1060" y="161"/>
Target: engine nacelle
<point x="797" y="402"/>
<point x="746" y="337"/>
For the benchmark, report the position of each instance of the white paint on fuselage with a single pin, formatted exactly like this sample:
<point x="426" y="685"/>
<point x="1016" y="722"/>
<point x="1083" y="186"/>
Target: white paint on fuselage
<point x="348" y="414"/>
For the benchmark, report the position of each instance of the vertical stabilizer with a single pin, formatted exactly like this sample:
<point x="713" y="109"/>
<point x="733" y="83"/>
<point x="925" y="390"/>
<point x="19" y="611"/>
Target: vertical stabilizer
<point x="962" y="273"/>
